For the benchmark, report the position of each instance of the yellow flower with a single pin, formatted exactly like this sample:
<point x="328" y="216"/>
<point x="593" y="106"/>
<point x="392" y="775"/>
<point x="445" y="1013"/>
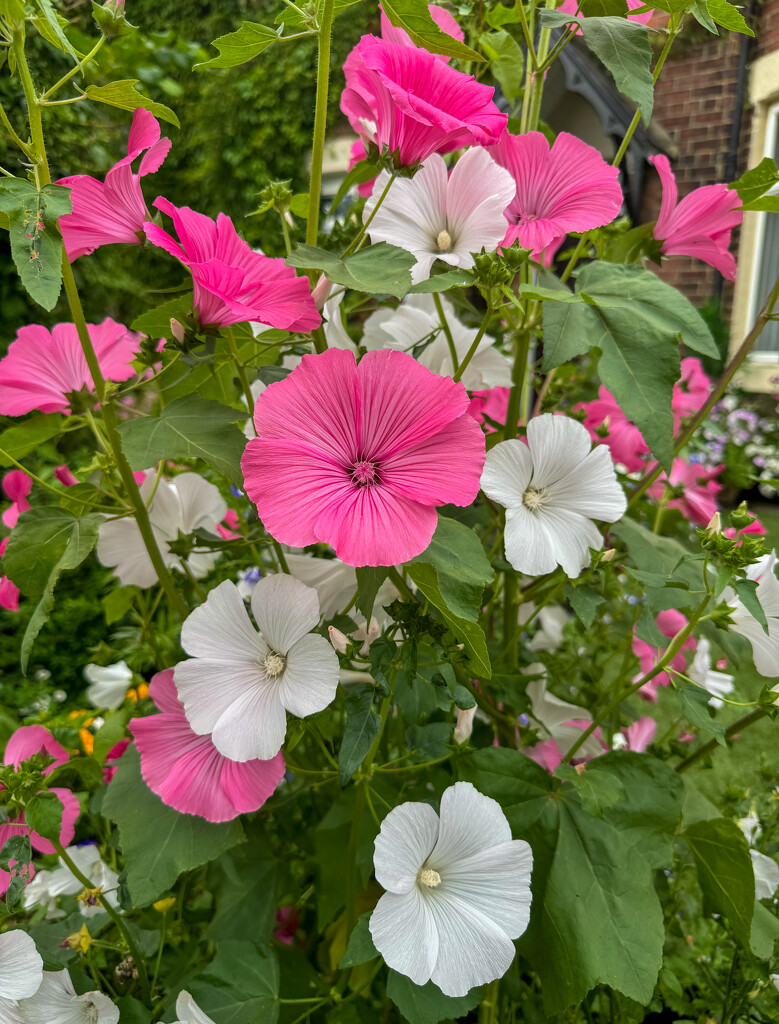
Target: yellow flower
<point x="80" y="940"/>
<point x="163" y="906"/>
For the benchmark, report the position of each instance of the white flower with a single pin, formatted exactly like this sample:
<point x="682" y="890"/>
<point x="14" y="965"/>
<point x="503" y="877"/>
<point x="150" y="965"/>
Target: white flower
<point x="552" y="619"/>
<point x="48" y="885"/>
<point x="336" y="583"/>
<point x="458" y="891"/>
<point x="765" y="647"/>
<point x="464" y="726"/>
<point x="555" y="716"/>
<point x="56" y="1002"/>
<point x="108" y="685"/>
<point x="551" y="489"/>
<point x="188" y="1012"/>
<point x="239" y="684"/>
<point x="437" y="215"/>
<point x="184" y="504"/>
<point x="415" y="319"/>
<point x="750" y="826"/>
<point x="766" y="875"/>
<point x="700" y="671"/>
<point x="21" y="967"/>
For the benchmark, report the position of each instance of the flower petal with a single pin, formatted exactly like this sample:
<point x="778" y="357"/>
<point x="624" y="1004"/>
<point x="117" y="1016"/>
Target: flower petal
<point x="253" y="726"/>
<point x="285" y="610"/>
<point x="21" y="966"/>
<point x="310" y="678"/>
<point x="220" y="629"/>
<point x="403" y="930"/>
<point x="507" y="472"/>
<point x="470" y="823"/>
<point x="407" y="837"/>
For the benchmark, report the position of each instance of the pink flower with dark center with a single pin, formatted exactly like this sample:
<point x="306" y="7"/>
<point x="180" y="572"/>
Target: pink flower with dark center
<point x="234" y="284"/>
<point x="440" y="16"/>
<point x="43" y="368"/>
<point x="114" y="211"/>
<point x="407" y="100"/>
<point x="698" y="500"/>
<point x="568" y="187"/>
<point x="669" y="623"/>
<point x="360" y="456"/>
<point x="608" y="425"/>
<point x="691" y="390"/>
<point x="16" y="485"/>
<point x="187" y="772"/>
<point x="700" y="225"/>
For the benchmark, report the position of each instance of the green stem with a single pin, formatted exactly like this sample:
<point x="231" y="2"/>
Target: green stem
<point x="521" y="350"/>
<point x="140" y="963"/>
<point x="25" y="148"/>
<point x="320" y="122"/>
<point x="476" y="341"/>
<point x="511" y="617"/>
<point x="439" y="306"/>
<point x="732" y="730"/>
<point x="241" y="369"/>
<point x="285" y="232"/>
<point x="533" y="60"/>
<point x="488" y="1008"/>
<point x="280" y="555"/>
<point x="54" y="490"/>
<point x="77" y="69"/>
<point x="361" y="233"/>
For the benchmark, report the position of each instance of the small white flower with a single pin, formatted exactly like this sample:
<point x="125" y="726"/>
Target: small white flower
<point x="750" y="826"/>
<point x="555" y="716"/>
<point x="21" y="967"/>
<point x="438" y="215"/>
<point x="552" y="619"/>
<point x="184" y="504"/>
<point x="415" y="319"/>
<point x="458" y="891"/>
<point x="700" y="671"/>
<point x="766" y="875"/>
<point x="336" y="583"/>
<point x="552" y="488"/>
<point x="108" y="685"/>
<point x="48" y="885"/>
<point x="188" y="1012"/>
<point x="56" y="1002"/>
<point x="464" y="726"/>
<point x="765" y="647"/>
<point x="239" y="684"/>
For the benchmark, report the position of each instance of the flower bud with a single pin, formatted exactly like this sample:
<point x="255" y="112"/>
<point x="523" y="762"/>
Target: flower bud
<point x="608" y="555"/>
<point x="178" y="331"/>
<point x="464" y="726"/>
<point x="715" y="524"/>
<point x="110" y="18"/>
<point x="338" y="639"/>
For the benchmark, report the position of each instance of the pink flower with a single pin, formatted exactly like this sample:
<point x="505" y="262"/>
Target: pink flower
<point x="572" y="7"/>
<point x="440" y="16"/>
<point x="360" y="456"/>
<point x="691" y="390"/>
<point x="234" y="284"/>
<point x="65" y="476"/>
<point x="187" y="772"/>
<point x="547" y="753"/>
<point x="698" y="501"/>
<point x="287" y="920"/>
<point x="114" y="211"/>
<point x="669" y="623"/>
<point x="42" y="368"/>
<point x="700" y="225"/>
<point x="731" y="532"/>
<point x="112" y="758"/>
<point x="17" y="485"/>
<point x="407" y="100"/>
<point x="230" y="525"/>
<point x="9" y="592"/>
<point x="623" y="437"/>
<point x="568" y="187"/>
<point x="356" y="155"/>
<point x="640" y="734"/>
<point x="491" y="404"/>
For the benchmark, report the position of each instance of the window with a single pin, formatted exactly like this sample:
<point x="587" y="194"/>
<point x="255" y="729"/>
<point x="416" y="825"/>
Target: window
<point x="766" y="263"/>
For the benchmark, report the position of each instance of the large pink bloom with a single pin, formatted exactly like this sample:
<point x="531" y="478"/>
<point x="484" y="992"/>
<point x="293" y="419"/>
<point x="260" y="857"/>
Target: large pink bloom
<point x="699" y="225"/>
<point x="669" y="623"/>
<point x="42" y="368"/>
<point x="690" y="391"/>
<point x="360" y="456"/>
<point x="16" y="485"/>
<point x="492" y="404"/>
<point x="440" y="16"/>
<point x="408" y="100"/>
<point x="187" y="772"/>
<point x="9" y="592"/>
<point x="568" y="187"/>
<point x="234" y="284"/>
<point x="114" y="210"/>
<point x="23" y="744"/>
<point x="608" y="425"/>
<point x="698" y="501"/>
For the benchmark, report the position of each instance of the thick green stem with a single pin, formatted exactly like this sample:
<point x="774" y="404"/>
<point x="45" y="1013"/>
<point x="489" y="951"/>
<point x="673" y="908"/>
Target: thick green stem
<point x="361" y="233"/>
<point x="320" y="122"/>
<point x="730" y="732"/>
<point x="521" y="350"/>
<point x="475" y="343"/>
<point x="447" y="332"/>
<point x="75" y="70"/>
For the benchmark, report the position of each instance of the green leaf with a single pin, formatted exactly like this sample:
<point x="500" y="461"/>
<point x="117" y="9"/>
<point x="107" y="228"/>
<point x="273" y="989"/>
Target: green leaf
<point x="623" y="48"/>
<point x="369" y="580"/>
<point x="36" y="246"/>
<point x="51" y="19"/>
<point x="125" y="96"/>
<point x="507" y="61"/>
<point x="118" y="603"/>
<point x="765" y="932"/>
<point x="189" y="428"/>
<point x="158" y="843"/>
<point x="241" y="46"/>
<point x="414" y="17"/>
<point x="362" y="727"/>
<point x="37" y="543"/>
<point x="13" y="10"/>
<point x="589" y="868"/>
<point x="20" y="440"/>
<point x="585" y="603"/>
<point x="755" y="182"/>
<point x="443" y="282"/>
<point x="694" y="702"/>
<point x="156" y="322"/>
<point x="747" y="593"/>
<point x="113" y="729"/>
<point x="500" y="15"/>
<point x="452" y="574"/>
<point x="240" y="984"/>
<point x="603" y="8"/>
<point x="426" y="1004"/>
<point x="43" y="813"/>
<point x="360" y="949"/>
<point x="725" y="872"/>
<point x="700" y="12"/>
<point x="556" y="19"/>
<point x="380" y="269"/>
<point x="246" y="898"/>
<point x="669" y="560"/>
<point x="728" y="17"/>
<point x="597" y="789"/>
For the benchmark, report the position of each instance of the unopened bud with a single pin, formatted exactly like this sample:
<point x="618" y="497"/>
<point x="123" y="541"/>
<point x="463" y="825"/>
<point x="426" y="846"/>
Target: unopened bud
<point x="608" y="555"/>
<point x="110" y="18"/>
<point x="715" y="524"/>
<point x="80" y="940"/>
<point x="464" y="726"/>
<point x="338" y="639"/>
<point x="321" y="292"/>
<point x="178" y="331"/>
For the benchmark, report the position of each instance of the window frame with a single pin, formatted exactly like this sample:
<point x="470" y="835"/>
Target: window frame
<point x="770" y="147"/>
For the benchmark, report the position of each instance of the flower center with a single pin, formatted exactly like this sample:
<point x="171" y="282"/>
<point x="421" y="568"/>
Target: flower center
<point x="444" y="241"/>
<point x="92" y="1014"/>
<point x="364" y="472"/>
<point x="429" y="877"/>
<point x="533" y="498"/>
<point x="274" y="664"/>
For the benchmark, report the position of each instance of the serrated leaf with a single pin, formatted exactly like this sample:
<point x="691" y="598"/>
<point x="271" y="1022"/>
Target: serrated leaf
<point x="23" y="438"/>
<point x="728" y="17"/>
<point x="240" y="46"/>
<point x="360" y="949"/>
<point x="380" y="269"/>
<point x="362" y="727"/>
<point x="155" y="323"/>
<point x="240" y="984"/>
<point x="125" y="96"/>
<point x="427" y="1004"/>
<point x="369" y="580"/>
<point x="694" y="703"/>
<point x="623" y="48"/>
<point x="189" y="428"/>
<point x="507" y="61"/>
<point x="725" y="872"/>
<point x="414" y="17"/>
<point x="51" y="18"/>
<point x="43" y="813"/>
<point x="38" y="541"/>
<point x="754" y="183"/>
<point x="585" y="603"/>
<point x="36" y="246"/>
<point x="747" y="594"/>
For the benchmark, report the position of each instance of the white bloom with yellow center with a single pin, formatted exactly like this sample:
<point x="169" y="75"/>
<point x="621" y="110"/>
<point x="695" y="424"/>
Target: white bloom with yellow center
<point x="56" y="1002"/>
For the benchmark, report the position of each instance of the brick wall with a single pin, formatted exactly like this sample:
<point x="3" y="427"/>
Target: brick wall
<point x="768" y="35"/>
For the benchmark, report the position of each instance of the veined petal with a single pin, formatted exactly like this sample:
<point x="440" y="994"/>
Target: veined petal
<point x="407" y="838"/>
<point x="21" y="966"/>
<point x="470" y="824"/>
<point x="558" y="445"/>
<point x="253" y="726"/>
<point x="189" y="1012"/>
<point x="220" y="629"/>
<point x="285" y="610"/>
<point x="496" y="883"/>
<point x="591" y="488"/>
<point x="507" y="472"/>
<point x="208" y="687"/>
<point x="403" y="930"/>
<point x="310" y="677"/>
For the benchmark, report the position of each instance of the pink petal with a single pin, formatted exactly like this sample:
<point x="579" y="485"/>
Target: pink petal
<point x="70" y="814"/>
<point x="29" y="740"/>
<point x="9" y="595"/>
<point x="640" y="734"/>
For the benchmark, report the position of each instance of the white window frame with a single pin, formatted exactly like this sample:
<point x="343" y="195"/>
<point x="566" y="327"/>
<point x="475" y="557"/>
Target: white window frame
<point x="769" y="149"/>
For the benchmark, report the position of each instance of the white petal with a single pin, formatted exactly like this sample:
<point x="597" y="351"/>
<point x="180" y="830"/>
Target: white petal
<point x="310" y="678"/>
<point x="572" y="537"/>
<point x="285" y="610"/>
<point x="405" y="841"/>
<point x="55" y="1002"/>
<point x="200" y="563"/>
<point x="403" y="931"/>
<point x="591" y="488"/>
<point x="558" y="445"/>
<point x="495" y="883"/>
<point x="189" y="1012"/>
<point x="10" y="1012"/>
<point x="766" y="875"/>
<point x="768" y="591"/>
<point x="108" y="685"/>
<point x="529" y="546"/>
<point x="21" y="966"/>
<point x="765" y="649"/>
<point x="478" y="193"/>
<point x="507" y="472"/>
<point x="202" y="506"/>
<point x="470" y="823"/>
<point x="107" y="1011"/>
<point x="252" y="726"/>
<point x="335" y="332"/>
<point x="208" y="688"/>
<point x="334" y="582"/>
<point x="120" y="547"/>
<point x="165" y="512"/>
<point x="221" y="629"/>
<point x="488" y="368"/>
<point x="551" y="711"/>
